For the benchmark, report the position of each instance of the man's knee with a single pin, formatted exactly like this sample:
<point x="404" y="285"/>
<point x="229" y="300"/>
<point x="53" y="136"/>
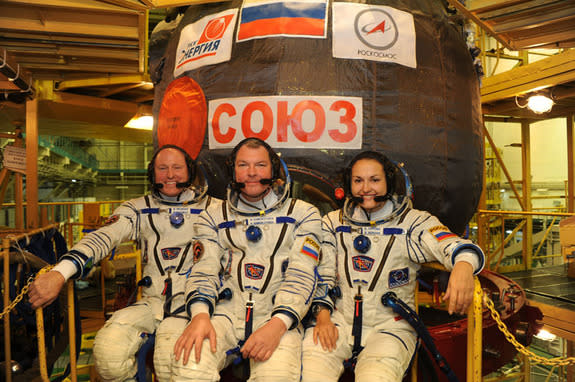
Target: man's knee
<point x="380" y="369"/>
<point x="115" y="348"/>
<point x="206" y="370"/>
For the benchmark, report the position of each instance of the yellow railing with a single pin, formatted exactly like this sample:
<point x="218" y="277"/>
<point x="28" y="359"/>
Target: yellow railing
<point x="7" y="242"/>
<point x="493" y="238"/>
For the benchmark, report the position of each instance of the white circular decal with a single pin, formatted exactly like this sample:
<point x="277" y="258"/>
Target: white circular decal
<point x="376" y="29"/>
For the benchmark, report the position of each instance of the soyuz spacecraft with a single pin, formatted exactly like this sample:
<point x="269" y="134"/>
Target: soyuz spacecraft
<point x="320" y="81"/>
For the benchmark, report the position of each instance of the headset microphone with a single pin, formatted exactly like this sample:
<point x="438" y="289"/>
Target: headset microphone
<point x="382" y="198"/>
<point x="183" y="184"/>
<point x="237" y="185"/>
<point x="377" y="198"/>
<point x="159" y="186"/>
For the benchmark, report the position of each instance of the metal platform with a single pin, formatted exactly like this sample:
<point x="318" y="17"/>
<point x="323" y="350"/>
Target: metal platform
<point x="553" y="293"/>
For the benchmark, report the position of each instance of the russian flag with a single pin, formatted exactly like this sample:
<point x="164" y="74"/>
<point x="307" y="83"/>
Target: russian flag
<point x="444" y="235"/>
<point x="302" y="18"/>
<point x="311" y="249"/>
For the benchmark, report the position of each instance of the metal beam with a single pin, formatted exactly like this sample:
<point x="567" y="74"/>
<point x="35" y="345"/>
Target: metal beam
<point x="488" y="28"/>
<point x="179" y="3"/>
<point x="526" y="185"/>
<point x="132" y="79"/>
<point x="544" y="73"/>
<point x="570" y="164"/>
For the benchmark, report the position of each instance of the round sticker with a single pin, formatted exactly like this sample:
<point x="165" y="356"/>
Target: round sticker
<point x="183" y="116"/>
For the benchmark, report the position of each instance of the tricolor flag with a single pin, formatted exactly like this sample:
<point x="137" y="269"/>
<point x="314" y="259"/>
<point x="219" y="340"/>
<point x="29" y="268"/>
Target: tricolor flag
<point x="441" y="233"/>
<point x="310" y="248"/>
<point x="265" y="18"/>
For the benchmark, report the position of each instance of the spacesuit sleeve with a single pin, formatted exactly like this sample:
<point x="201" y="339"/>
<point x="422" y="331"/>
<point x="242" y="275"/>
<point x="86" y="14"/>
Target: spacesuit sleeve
<point x="326" y="270"/>
<point x="296" y="292"/>
<point x="203" y="282"/>
<point x="122" y="225"/>
<point x="430" y="240"/>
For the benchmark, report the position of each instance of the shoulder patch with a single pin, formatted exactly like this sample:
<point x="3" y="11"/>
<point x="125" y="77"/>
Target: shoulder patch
<point x="441" y="232"/>
<point x="310" y="248"/>
<point x="198" y="249"/>
<point x="111" y="219"/>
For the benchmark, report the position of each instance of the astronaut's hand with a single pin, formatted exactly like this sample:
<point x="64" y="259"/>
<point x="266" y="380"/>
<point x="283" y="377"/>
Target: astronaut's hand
<point x="460" y="288"/>
<point x="325" y="331"/>
<point x="45" y="289"/>
<point x="197" y="330"/>
<point x="263" y="342"/>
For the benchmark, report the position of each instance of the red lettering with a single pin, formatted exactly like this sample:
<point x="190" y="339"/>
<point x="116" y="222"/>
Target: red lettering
<point x="268" y="120"/>
<point x="218" y="135"/>
<point x="296" y="121"/>
<point x="283" y="121"/>
<point x="346" y="119"/>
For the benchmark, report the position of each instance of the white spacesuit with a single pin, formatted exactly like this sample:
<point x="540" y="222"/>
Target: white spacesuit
<point x="369" y="258"/>
<point x="162" y="226"/>
<point x="265" y="253"/>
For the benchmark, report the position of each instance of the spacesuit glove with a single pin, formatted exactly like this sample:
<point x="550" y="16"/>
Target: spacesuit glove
<point x="325" y="331"/>
<point x="45" y="289"/>
<point x="263" y="342"/>
<point x="193" y="336"/>
<point x="460" y="288"/>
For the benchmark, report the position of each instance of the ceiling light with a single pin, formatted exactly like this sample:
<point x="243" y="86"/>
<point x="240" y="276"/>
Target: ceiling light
<point x="539" y="102"/>
<point x="142" y="122"/>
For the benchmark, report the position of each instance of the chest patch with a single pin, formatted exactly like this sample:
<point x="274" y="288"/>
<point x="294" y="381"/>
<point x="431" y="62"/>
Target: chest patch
<point x="362" y="263"/>
<point x="398" y="277"/>
<point x="170" y="253"/>
<point x="254" y="271"/>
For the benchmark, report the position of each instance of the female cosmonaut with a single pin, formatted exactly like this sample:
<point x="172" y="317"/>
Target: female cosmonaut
<point x="374" y="245"/>
<point x="260" y="250"/>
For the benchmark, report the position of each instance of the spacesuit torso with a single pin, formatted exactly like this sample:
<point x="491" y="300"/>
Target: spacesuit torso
<point x="268" y="258"/>
<point x="383" y="254"/>
<point x="163" y="229"/>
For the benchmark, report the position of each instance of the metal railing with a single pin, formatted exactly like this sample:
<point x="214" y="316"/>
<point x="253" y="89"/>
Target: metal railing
<point x="520" y="240"/>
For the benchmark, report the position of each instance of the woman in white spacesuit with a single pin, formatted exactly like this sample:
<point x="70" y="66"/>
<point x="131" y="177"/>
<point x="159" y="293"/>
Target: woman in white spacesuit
<point x="372" y="246"/>
<point x="161" y="223"/>
<point x="261" y="248"/>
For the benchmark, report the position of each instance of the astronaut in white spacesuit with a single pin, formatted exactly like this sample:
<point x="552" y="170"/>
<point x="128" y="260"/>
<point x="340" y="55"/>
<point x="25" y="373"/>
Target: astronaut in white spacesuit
<point x="161" y="223"/>
<point x="262" y="247"/>
<point x="374" y="245"/>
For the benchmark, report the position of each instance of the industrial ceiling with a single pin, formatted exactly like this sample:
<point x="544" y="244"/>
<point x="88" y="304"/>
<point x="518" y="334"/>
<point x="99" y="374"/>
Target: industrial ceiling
<point x="85" y="60"/>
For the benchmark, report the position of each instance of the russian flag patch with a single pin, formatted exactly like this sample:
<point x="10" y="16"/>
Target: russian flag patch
<point x="441" y="232"/>
<point x="310" y="248"/>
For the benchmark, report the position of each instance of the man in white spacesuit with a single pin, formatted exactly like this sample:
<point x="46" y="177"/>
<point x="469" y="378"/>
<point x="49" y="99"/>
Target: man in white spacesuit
<point x="161" y="223"/>
<point x="262" y="248"/>
<point x="372" y="246"/>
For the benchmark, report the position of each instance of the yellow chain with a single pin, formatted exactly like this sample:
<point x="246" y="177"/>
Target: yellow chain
<point x="557" y="361"/>
<point x="23" y="291"/>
